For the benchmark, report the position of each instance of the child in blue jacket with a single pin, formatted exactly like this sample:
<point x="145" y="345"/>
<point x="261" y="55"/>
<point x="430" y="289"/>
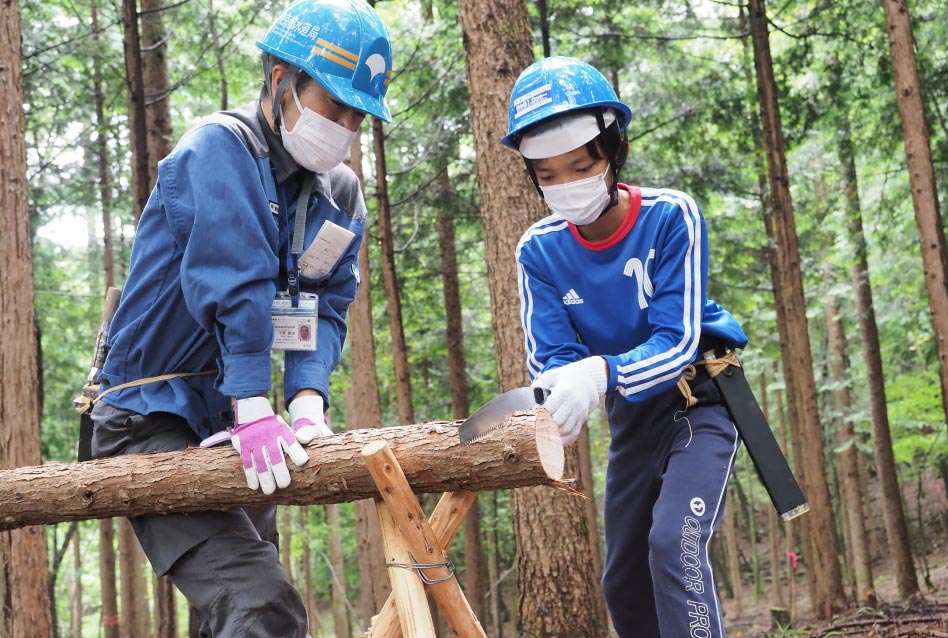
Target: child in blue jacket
<point x="614" y="303"/>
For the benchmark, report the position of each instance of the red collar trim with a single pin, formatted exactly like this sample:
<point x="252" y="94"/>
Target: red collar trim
<point x="635" y="206"/>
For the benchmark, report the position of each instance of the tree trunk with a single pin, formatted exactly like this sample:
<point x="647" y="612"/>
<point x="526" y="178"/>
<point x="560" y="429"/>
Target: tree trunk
<point x="59" y="556"/>
<point x="76" y="629"/>
<point x="102" y="154"/>
<point x="781" y="309"/>
<point x="286" y="541"/>
<point x="23" y="563"/>
<point x="544" y="10"/>
<point x="493" y="575"/>
<point x="309" y="594"/>
<point x="525" y="451"/>
<point x="587" y="487"/>
<point x="733" y="563"/>
<point x="373" y="579"/>
<point x="363" y="407"/>
<point x="166" y="613"/>
<point x="797" y="529"/>
<point x="132" y="621"/>
<point x="555" y="566"/>
<point x="406" y="413"/>
<point x="909" y="98"/>
<point x="824" y="561"/>
<point x="474" y="566"/>
<point x="750" y="528"/>
<point x="218" y="51"/>
<point x="340" y="615"/>
<point x="918" y="154"/>
<point x="194" y="622"/>
<point x="790" y="527"/>
<point x="137" y="118"/>
<point x="156" y="85"/>
<point x="106" y="527"/>
<point x="849" y="467"/>
<point x="774" y="531"/>
<point x="110" y="617"/>
<point x="893" y="510"/>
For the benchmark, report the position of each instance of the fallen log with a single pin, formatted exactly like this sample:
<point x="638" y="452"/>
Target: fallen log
<point x="526" y="451"/>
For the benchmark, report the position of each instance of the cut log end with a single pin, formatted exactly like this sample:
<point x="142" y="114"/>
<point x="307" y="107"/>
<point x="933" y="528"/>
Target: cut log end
<point x="550" y="445"/>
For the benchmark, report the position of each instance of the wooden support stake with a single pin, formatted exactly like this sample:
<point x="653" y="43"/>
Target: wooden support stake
<point x="408" y="591"/>
<point x="445" y="521"/>
<point x="421" y="540"/>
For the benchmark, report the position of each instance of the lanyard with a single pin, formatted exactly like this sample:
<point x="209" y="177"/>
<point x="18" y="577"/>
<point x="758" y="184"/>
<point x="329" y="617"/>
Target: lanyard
<point x="298" y="237"/>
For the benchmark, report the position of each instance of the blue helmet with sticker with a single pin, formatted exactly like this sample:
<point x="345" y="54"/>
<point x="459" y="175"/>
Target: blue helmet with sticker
<point x="554" y="86"/>
<point x="342" y="44"/>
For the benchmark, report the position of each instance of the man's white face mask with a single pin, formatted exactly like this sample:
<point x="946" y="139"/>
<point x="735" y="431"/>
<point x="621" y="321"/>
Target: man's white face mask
<point x="580" y="202"/>
<point x="316" y="142"/>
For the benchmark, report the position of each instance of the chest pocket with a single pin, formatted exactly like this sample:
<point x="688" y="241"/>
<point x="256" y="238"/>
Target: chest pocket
<point x="330" y="235"/>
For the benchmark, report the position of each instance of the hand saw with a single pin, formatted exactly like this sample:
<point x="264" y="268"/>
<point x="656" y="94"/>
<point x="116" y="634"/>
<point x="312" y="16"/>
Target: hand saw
<point x="492" y="414"/>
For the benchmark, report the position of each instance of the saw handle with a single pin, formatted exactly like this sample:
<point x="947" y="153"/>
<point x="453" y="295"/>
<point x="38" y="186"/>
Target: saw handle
<point x="540" y="395"/>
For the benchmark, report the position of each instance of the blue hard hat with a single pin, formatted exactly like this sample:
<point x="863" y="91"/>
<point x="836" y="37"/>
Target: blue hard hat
<point x="342" y="44"/>
<point x="554" y="86"/>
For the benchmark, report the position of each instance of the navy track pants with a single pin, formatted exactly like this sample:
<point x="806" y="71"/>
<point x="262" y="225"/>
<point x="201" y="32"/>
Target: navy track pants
<point x="665" y="490"/>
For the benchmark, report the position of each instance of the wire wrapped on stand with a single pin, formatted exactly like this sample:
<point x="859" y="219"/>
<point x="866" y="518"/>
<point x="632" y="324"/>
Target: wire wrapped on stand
<point x="420" y="567"/>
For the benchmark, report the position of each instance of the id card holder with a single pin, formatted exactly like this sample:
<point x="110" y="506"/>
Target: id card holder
<point x="294" y="328"/>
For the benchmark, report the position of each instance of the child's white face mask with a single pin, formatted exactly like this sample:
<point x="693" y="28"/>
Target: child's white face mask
<point x="580" y="202"/>
<point x="316" y="142"/>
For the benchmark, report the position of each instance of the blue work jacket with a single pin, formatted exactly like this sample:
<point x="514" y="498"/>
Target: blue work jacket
<point x="211" y="251"/>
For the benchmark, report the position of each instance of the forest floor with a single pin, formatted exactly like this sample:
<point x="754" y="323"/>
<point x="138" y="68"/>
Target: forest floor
<point x="924" y="618"/>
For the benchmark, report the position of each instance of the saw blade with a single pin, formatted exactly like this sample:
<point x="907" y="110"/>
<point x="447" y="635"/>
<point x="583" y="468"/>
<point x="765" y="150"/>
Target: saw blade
<point x="492" y="414"/>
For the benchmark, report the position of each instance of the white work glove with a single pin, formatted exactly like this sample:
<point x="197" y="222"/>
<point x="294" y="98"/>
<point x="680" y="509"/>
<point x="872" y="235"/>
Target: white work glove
<point x="574" y="392"/>
<point x="261" y="437"/>
<point x="308" y="418"/>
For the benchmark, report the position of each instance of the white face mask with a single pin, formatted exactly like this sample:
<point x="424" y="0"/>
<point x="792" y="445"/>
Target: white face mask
<point x="580" y="202"/>
<point x="316" y="142"/>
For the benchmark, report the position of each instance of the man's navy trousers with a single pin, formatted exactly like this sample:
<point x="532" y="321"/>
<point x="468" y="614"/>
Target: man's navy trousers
<point x="665" y="490"/>
<point x="225" y="563"/>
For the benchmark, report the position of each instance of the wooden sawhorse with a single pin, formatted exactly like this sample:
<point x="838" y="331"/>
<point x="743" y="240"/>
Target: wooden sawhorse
<point x="415" y="552"/>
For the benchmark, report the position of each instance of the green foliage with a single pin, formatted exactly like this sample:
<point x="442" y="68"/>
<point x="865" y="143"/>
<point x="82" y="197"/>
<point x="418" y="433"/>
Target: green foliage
<point x="685" y="69"/>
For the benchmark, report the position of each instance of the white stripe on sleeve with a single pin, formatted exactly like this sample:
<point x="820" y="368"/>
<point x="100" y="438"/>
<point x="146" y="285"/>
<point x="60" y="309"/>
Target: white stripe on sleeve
<point x="663" y="366"/>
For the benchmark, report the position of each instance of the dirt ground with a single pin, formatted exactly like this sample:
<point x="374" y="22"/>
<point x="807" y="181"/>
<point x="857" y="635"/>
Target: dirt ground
<point x="926" y="617"/>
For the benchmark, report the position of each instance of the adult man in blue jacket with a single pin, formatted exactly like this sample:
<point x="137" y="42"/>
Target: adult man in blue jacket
<point x="248" y="242"/>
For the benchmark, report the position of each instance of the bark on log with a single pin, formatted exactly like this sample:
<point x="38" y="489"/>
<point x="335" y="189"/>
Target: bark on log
<point x="526" y="451"/>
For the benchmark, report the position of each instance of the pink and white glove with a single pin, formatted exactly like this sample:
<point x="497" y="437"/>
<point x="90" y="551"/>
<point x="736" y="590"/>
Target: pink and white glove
<point x="574" y="392"/>
<point x="308" y="418"/>
<point x="261" y="437"/>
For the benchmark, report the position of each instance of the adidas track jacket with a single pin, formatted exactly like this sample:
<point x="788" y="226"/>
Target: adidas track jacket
<point x="638" y="298"/>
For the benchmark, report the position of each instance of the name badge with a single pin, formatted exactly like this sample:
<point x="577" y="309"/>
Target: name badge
<point x="294" y="328"/>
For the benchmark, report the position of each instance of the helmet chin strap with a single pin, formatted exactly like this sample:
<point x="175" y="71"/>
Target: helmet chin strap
<point x="276" y="101"/>
<point x="614" y="189"/>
